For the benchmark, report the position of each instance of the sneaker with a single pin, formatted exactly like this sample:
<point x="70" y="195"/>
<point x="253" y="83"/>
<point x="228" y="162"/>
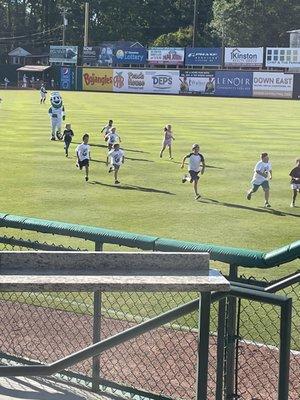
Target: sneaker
<point x="160" y="155"/>
<point x="117" y="182"/>
<point x="267" y="205"/>
<point x="170" y="158"/>
<point x="66" y="155"/>
<point x="86" y="178"/>
<point x="292" y="204"/>
<point x="197" y="196"/>
<point x="248" y="196"/>
<point x="184" y="179"/>
<point x="53" y="138"/>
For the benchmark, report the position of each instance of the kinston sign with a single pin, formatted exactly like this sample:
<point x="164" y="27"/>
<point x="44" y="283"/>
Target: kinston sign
<point x="243" y="56"/>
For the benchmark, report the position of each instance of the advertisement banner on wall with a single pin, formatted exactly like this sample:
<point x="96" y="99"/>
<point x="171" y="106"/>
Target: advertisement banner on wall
<point x="296" y="87"/>
<point x="129" y="80"/>
<point x="67" y="78"/>
<point x="283" y="57"/>
<point x="63" y="54"/>
<point x="203" y="56"/>
<point x="166" y="55"/>
<point x="97" y="79"/>
<point x="90" y="56"/>
<point x="273" y="84"/>
<point x="146" y="81"/>
<point x="130" y="55"/>
<point x="243" y="56"/>
<point x="98" y="56"/>
<point x="233" y="83"/>
<point x="197" y="82"/>
<point x="160" y="81"/>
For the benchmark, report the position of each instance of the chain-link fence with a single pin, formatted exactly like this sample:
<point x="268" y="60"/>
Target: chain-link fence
<point x="44" y="327"/>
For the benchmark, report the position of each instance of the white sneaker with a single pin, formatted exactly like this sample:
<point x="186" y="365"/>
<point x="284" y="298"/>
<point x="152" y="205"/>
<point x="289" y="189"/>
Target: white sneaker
<point x="292" y="204"/>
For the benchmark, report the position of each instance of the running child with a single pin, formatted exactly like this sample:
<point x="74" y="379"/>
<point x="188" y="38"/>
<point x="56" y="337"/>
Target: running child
<point x="67" y="137"/>
<point x="111" y="138"/>
<point x="167" y="141"/>
<point x="295" y="181"/>
<point x="261" y="177"/>
<point x="43" y="93"/>
<point x="107" y="127"/>
<point x="196" y="166"/>
<point x="84" y="155"/>
<point x="116" y="156"/>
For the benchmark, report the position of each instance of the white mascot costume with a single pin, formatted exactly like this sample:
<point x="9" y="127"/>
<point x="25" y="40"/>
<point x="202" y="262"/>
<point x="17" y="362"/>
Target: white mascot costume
<point x="57" y="115"/>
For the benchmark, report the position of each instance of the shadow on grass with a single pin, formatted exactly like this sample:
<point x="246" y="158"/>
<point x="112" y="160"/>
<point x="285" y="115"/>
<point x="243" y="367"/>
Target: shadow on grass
<point x="242" y="207"/>
<point x="137" y="159"/>
<point x="104" y="146"/>
<point x="98" y="161"/>
<point x="132" y="187"/>
<point x="206" y="166"/>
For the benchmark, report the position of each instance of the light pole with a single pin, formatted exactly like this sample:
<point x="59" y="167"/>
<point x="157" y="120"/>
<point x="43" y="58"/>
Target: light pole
<point x="194" y="22"/>
<point x="86" y="25"/>
<point x="65" y="23"/>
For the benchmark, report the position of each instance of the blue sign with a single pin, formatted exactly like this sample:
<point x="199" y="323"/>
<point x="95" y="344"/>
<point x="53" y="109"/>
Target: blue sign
<point x="203" y="56"/>
<point x="65" y="78"/>
<point x="130" y="55"/>
<point x="233" y="83"/>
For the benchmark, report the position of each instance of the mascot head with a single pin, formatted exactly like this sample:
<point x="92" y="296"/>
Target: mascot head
<point x="56" y="100"/>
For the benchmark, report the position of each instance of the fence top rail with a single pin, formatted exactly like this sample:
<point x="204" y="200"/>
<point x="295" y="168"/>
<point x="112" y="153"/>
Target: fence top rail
<point x="229" y="255"/>
<point x="82" y="271"/>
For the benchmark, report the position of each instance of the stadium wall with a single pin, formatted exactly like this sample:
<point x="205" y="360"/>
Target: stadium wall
<point x="225" y="83"/>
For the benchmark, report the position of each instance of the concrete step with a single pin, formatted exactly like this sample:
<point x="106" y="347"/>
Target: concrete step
<point x="43" y="389"/>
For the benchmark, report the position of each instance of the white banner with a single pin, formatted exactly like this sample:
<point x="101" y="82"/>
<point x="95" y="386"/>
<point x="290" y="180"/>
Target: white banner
<point x="244" y="56"/>
<point x="63" y="54"/>
<point x="166" y="55"/>
<point x="129" y="80"/>
<point x="273" y="84"/>
<point x="283" y="57"/>
<point x="146" y="81"/>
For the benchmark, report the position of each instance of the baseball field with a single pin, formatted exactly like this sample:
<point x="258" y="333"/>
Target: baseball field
<point x="38" y="180"/>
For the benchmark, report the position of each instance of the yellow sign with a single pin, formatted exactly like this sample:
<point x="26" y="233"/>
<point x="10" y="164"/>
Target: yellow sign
<point x="97" y="79"/>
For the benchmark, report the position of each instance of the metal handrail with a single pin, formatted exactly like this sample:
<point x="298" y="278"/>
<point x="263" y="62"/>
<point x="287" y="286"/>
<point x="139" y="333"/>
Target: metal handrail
<point x="167" y="317"/>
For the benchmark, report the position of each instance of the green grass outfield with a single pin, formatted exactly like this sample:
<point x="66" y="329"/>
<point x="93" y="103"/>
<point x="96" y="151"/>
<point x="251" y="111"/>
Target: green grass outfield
<point x="37" y="180"/>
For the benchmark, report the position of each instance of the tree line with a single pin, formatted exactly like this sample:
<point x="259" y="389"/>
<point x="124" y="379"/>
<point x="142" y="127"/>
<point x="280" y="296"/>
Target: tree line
<point x="246" y="23"/>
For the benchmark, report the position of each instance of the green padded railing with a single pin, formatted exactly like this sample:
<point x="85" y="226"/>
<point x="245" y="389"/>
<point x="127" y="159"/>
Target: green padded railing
<point x="229" y="255"/>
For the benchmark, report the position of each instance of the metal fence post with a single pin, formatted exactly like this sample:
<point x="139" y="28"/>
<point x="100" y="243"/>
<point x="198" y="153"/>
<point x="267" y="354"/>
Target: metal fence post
<point x="220" y="349"/>
<point x="96" y="338"/>
<point x="230" y="350"/>
<point x="203" y="346"/>
<point x="98" y="246"/>
<point x="284" y="349"/>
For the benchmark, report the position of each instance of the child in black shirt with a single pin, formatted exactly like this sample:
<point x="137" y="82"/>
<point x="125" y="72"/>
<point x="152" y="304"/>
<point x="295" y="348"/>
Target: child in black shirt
<point x="67" y="136"/>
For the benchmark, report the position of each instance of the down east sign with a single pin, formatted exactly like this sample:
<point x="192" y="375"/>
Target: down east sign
<point x="244" y="56"/>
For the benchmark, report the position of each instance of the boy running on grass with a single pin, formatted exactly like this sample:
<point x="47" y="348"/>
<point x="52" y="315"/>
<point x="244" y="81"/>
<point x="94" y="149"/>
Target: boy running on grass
<point x="111" y="138"/>
<point x="196" y="165"/>
<point x="107" y="127"/>
<point x="84" y="155"/>
<point x="67" y="137"/>
<point x="295" y="181"/>
<point x="261" y="177"/>
<point x="116" y="156"/>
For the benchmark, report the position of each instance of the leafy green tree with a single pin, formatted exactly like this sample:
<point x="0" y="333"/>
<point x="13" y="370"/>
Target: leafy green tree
<point x="255" y="22"/>
<point x="184" y="38"/>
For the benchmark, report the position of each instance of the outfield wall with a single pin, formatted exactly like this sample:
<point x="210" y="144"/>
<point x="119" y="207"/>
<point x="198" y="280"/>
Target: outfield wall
<point x="227" y="83"/>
